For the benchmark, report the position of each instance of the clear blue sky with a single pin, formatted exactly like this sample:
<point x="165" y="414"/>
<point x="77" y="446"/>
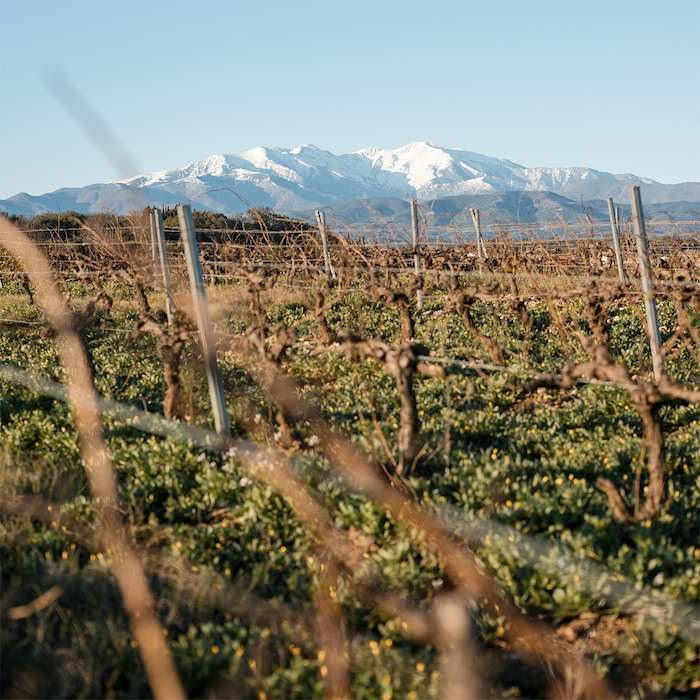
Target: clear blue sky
<point x="610" y="85"/>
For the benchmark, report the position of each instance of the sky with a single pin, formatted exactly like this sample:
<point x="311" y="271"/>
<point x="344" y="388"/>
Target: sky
<point x="101" y="90"/>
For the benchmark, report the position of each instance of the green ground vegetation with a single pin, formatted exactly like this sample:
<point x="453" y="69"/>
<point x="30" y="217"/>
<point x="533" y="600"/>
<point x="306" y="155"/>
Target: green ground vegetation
<point x="215" y="541"/>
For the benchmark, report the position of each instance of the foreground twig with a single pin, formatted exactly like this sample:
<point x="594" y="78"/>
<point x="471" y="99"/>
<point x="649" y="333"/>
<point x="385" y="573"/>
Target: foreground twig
<point x="138" y="601"/>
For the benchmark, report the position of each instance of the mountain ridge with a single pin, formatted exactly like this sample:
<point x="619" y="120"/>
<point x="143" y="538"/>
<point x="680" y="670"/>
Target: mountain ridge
<point x="307" y="177"/>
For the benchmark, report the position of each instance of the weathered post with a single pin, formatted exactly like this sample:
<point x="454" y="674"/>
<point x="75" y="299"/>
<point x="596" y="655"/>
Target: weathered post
<point x="416" y="250"/>
<point x="615" y="226"/>
<point x="321" y="219"/>
<point x="164" y="266"/>
<point x="647" y="283"/>
<point x="206" y="332"/>
<point x="154" y="243"/>
<point x="480" y="247"/>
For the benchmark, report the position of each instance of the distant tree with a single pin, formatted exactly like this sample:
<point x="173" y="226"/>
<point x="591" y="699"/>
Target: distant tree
<point x="260" y="219"/>
<point x="203" y="219"/>
<point x="54" y="221"/>
<point x="255" y="219"/>
<point x="50" y="224"/>
<point x="169" y="217"/>
<point x="210" y="220"/>
<point x="18" y="220"/>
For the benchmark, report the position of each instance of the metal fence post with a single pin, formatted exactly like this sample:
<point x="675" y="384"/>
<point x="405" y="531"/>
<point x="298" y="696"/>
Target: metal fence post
<point x="154" y="243"/>
<point x="321" y="219"/>
<point x="480" y="247"/>
<point x="647" y="283"/>
<point x="206" y="332"/>
<point x="615" y="225"/>
<point x="416" y="250"/>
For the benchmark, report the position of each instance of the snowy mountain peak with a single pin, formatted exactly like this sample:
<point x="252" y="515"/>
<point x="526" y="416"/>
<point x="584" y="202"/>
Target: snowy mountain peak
<point x="418" y="149"/>
<point x="301" y="149"/>
<point x="421" y="147"/>
<point x="305" y="177"/>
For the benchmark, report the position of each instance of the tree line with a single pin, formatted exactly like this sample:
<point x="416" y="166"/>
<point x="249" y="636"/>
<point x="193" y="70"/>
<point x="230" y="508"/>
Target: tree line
<point x="69" y="224"/>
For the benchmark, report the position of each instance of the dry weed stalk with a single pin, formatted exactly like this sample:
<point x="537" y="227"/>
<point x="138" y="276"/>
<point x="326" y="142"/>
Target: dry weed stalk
<point x="462" y="679"/>
<point x="531" y="639"/>
<point x="138" y="601"/>
<point x="334" y="655"/>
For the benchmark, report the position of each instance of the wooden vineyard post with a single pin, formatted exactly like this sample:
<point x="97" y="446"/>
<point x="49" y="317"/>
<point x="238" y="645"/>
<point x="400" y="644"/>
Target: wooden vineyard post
<point x="206" y="332"/>
<point x="416" y="250"/>
<point x="615" y="225"/>
<point x="164" y="267"/>
<point x="480" y="247"/>
<point x="321" y="219"/>
<point x="154" y="243"/>
<point x="647" y="283"/>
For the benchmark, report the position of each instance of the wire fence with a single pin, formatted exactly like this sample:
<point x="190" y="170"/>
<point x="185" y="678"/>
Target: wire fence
<point x="455" y="232"/>
<point x="308" y="272"/>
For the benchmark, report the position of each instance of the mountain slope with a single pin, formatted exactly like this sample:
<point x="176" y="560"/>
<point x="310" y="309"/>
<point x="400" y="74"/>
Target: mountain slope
<point x="652" y="193"/>
<point x="307" y="177"/>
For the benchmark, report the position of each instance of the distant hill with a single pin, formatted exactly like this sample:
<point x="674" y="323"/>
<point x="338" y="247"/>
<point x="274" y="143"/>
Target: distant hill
<point x="652" y="193"/>
<point x="511" y="207"/>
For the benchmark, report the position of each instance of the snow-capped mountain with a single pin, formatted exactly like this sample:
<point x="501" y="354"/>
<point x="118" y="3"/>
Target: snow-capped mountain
<point x="307" y="177"/>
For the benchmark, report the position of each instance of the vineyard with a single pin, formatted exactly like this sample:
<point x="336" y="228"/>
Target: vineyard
<point x="341" y="467"/>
